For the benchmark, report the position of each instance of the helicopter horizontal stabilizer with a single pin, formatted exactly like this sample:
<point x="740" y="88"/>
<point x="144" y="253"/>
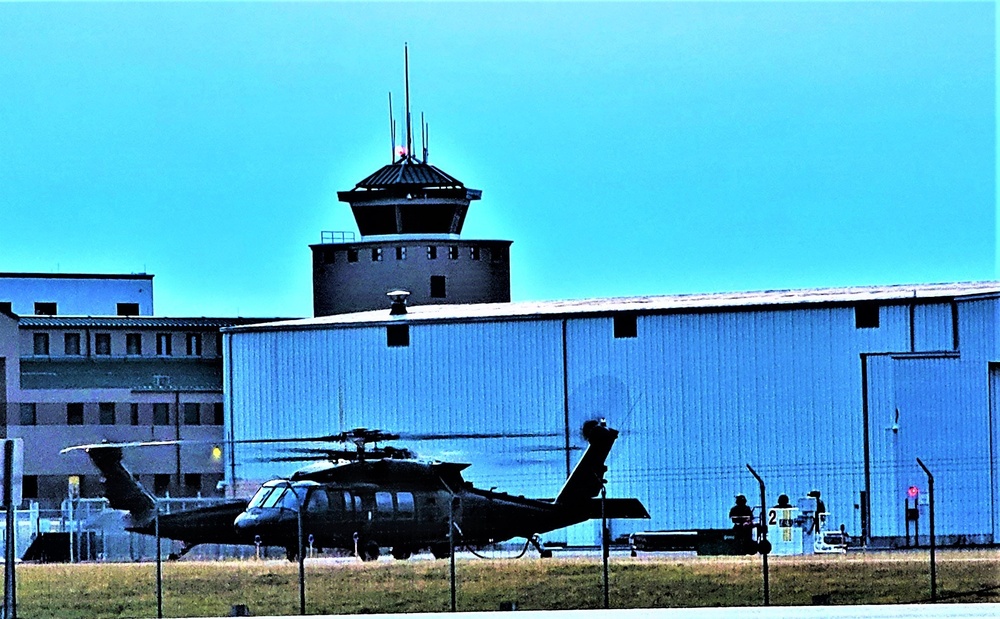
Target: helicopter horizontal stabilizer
<point x="120" y="488"/>
<point x="617" y="508"/>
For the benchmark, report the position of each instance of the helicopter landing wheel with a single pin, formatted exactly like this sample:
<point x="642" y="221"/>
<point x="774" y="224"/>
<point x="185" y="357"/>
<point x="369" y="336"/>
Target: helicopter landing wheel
<point x="440" y="551"/>
<point x="401" y="553"/>
<point x="371" y="551"/>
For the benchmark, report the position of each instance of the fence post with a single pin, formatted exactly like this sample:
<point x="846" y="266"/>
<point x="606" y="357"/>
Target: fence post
<point x="930" y="492"/>
<point x="762" y="544"/>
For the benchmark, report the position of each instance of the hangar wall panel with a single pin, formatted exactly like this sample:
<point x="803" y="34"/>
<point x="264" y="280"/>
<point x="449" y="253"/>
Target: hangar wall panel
<point x="478" y="378"/>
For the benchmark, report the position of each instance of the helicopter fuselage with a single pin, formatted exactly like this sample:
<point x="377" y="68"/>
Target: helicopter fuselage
<point x="356" y="506"/>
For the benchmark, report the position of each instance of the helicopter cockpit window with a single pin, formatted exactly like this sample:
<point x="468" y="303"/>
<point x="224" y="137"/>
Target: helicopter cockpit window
<point x="318" y="502"/>
<point x="383" y="502"/>
<point x="260" y="496"/>
<point x="404" y="504"/>
<point x="273" y="498"/>
<point x="292" y="498"/>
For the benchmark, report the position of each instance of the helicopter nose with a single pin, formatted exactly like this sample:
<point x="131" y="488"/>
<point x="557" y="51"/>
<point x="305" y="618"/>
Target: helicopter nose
<point x="246" y="521"/>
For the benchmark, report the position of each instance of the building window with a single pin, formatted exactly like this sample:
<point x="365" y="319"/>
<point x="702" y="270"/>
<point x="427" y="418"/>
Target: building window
<point x="7" y="306"/>
<point x="128" y="309"/>
<point x="474" y="253"/>
<point x="107" y="413"/>
<point x="432" y="252"/>
<point x="133" y="344"/>
<point x="400" y="253"/>
<point x="192" y="482"/>
<point x="625" y="326"/>
<point x="161" y="414"/>
<point x="161" y="483"/>
<point x="45" y="309"/>
<point x="102" y="343"/>
<point x="397" y="335"/>
<point x="376" y="254"/>
<point x="29" y="486"/>
<point x="194" y="344"/>
<point x="217" y="414"/>
<point x="133" y="416"/>
<point x="499" y="254"/>
<point x="438" y="286"/>
<point x="71" y="343"/>
<point x="41" y="341"/>
<point x="866" y="315"/>
<point x="352" y="255"/>
<point x="192" y="414"/>
<point x="164" y="344"/>
<point x="74" y="414"/>
<point x="29" y="414"/>
<point x="453" y="252"/>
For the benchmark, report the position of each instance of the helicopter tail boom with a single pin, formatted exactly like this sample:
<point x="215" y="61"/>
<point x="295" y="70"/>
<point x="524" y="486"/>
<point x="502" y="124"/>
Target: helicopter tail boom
<point x="120" y="488"/>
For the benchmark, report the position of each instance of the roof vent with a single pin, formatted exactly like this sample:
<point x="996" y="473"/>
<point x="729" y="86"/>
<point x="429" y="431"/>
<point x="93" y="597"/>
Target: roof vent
<point x="398" y="307"/>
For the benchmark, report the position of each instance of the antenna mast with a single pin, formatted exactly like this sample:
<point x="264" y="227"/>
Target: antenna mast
<point x="423" y="135"/>
<point x="392" y="131"/>
<point x="409" y="126"/>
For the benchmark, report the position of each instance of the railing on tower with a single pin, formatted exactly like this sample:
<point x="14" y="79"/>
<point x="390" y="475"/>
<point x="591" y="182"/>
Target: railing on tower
<point x="336" y="236"/>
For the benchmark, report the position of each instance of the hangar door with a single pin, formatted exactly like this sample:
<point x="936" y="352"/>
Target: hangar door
<point x="934" y="408"/>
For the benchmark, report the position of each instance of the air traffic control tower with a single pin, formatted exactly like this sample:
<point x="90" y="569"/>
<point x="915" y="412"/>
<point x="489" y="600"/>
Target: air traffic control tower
<point x="410" y="216"/>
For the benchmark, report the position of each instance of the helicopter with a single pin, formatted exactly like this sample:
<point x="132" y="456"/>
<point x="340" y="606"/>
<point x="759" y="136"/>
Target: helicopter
<point x="364" y="501"/>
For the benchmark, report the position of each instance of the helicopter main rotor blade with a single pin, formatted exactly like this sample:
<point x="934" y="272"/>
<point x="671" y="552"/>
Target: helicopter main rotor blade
<point x="350" y="436"/>
<point x="128" y="444"/>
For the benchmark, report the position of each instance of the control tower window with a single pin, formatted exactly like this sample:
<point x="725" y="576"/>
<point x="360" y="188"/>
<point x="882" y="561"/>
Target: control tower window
<point x="376" y="254"/>
<point x="45" y="308"/>
<point x="352" y="255"/>
<point x="453" y="252"/>
<point x="438" y="287"/>
<point x="432" y="252"/>
<point x="400" y="253"/>
<point x="474" y="253"/>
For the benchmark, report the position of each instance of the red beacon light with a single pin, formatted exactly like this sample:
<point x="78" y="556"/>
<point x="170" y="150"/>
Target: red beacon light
<point x="913" y="492"/>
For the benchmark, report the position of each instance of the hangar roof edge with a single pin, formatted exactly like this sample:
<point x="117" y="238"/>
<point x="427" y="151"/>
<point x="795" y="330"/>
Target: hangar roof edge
<point x="651" y="303"/>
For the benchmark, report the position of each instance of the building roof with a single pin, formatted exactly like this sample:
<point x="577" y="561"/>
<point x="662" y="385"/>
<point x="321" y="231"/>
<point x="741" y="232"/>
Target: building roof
<point x="680" y="303"/>
<point x="75" y="276"/>
<point x="408" y="172"/>
<point x="137" y="322"/>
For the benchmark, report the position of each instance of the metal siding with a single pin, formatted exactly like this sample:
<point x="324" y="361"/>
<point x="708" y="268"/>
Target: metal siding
<point x="481" y="378"/>
<point x="932" y="327"/>
<point x="944" y="421"/>
<point x="698" y="396"/>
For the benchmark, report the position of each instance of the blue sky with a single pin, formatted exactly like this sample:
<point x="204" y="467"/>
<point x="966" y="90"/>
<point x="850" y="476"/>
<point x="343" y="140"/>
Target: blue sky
<point x="626" y="149"/>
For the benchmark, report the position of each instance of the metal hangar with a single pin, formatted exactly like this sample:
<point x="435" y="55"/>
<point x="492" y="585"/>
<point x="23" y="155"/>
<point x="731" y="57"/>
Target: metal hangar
<point x="838" y="390"/>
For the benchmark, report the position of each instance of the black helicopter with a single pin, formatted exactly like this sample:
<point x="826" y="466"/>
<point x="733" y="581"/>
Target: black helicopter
<point x="378" y="499"/>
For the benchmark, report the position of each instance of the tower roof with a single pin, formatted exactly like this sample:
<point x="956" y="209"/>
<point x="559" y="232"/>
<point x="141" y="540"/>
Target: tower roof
<point x="409" y="172"/>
